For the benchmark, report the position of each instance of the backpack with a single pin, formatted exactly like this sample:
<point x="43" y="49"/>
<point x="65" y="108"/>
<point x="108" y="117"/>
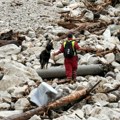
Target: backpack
<point x="69" y="49"/>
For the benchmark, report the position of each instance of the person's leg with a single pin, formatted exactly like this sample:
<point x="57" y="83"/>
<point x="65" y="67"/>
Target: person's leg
<point x="74" y="68"/>
<point x="68" y="69"/>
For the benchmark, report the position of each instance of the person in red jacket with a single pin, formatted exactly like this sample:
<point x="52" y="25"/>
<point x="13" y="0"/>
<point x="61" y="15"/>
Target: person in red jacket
<point x="71" y="64"/>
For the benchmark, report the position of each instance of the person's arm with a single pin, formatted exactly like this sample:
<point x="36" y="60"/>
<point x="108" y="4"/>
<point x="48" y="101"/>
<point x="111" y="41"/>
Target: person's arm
<point x="61" y="50"/>
<point x="87" y="49"/>
<point x="56" y="53"/>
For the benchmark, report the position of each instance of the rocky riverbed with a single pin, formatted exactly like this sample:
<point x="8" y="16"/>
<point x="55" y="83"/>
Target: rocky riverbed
<point x="37" y="21"/>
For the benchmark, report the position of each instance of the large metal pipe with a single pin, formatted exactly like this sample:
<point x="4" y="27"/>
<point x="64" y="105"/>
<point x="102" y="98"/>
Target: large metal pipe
<point x="58" y="72"/>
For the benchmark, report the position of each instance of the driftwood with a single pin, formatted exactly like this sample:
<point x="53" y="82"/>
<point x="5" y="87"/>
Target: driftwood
<point x="11" y="38"/>
<point x="97" y="8"/>
<point x="74" y="97"/>
<point x="6" y="35"/>
<point x="82" y="26"/>
<point x="114" y="50"/>
<point x="112" y="90"/>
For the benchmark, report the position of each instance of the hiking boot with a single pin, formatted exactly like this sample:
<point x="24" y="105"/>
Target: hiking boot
<point x="68" y="80"/>
<point x="73" y="81"/>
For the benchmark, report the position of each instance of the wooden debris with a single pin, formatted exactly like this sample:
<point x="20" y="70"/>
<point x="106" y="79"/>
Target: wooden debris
<point x="74" y="97"/>
<point x="67" y="25"/>
<point x="93" y="7"/>
<point x="69" y="22"/>
<point x="90" y="26"/>
<point x="6" y="35"/>
<point x="81" y="26"/>
<point x="11" y="38"/>
<point x="114" y="50"/>
<point x="112" y="90"/>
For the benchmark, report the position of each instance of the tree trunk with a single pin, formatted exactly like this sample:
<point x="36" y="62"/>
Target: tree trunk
<point x="59" y="72"/>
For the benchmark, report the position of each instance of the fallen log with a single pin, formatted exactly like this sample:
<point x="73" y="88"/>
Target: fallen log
<point x="73" y="97"/>
<point x="59" y="72"/>
<point x="6" y="42"/>
<point x="114" y="50"/>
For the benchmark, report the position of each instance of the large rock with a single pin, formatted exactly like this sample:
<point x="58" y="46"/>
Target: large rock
<point x="9" y="49"/>
<point x="5" y="97"/>
<point x="16" y="73"/>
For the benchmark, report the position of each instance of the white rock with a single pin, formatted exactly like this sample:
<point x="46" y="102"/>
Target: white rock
<point x="31" y="34"/>
<point x="9" y="49"/>
<point x="59" y="4"/>
<point x="112" y="97"/>
<point x="99" y="2"/>
<point x="117" y="57"/>
<point x="93" y="60"/>
<point x="19" y="91"/>
<point x="113" y="105"/>
<point x="110" y="57"/>
<point x="65" y="117"/>
<point x="40" y="1"/>
<point x="101" y="103"/>
<point x="111" y="113"/>
<point x="88" y="16"/>
<point x="14" y="57"/>
<point x="115" y="64"/>
<point x="74" y="13"/>
<point x="100" y="96"/>
<point x="105" y="18"/>
<point x="4" y="106"/>
<point x="107" y="34"/>
<point x="35" y="117"/>
<point x="87" y="109"/>
<point x="21" y="104"/>
<point x="102" y="117"/>
<point x="4" y="95"/>
<point x="102" y="60"/>
<point x="27" y="39"/>
<point x="65" y="2"/>
<point x="118" y="76"/>
<point x="79" y="112"/>
<point x="95" y="110"/>
<point x="73" y="86"/>
<point x="12" y="77"/>
<point x="9" y="113"/>
<point x="107" y="86"/>
<point x="85" y="59"/>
